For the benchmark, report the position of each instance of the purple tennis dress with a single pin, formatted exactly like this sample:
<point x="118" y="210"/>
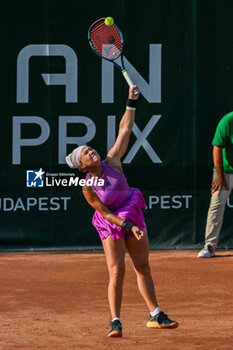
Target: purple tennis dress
<point x="123" y="201"/>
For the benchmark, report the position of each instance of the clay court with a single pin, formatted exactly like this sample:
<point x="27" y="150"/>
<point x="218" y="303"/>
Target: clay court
<point x="59" y="301"/>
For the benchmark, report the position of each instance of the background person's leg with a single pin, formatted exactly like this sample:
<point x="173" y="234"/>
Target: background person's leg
<point x="215" y="218"/>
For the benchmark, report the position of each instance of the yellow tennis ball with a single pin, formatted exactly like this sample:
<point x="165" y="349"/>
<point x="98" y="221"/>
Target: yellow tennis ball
<point x="109" y="21"/>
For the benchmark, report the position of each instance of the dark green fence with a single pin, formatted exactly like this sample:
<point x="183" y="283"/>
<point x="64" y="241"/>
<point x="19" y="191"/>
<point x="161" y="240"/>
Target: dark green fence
<point x="55" y="94"/>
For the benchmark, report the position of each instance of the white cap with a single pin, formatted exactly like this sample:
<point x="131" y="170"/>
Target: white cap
<point x="73" y="159"/>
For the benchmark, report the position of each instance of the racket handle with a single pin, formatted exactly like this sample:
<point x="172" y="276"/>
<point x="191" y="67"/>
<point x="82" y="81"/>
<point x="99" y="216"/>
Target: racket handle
<point x="127" y="78"/>
<point x="129" y="81"/>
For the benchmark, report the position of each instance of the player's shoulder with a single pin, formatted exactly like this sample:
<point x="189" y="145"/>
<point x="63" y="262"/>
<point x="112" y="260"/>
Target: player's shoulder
<point x="87" y="189"/>
<point x="114" y="163"/>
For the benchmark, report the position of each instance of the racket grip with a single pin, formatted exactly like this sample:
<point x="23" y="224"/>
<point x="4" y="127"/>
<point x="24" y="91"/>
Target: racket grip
<point x="127" y="78"/>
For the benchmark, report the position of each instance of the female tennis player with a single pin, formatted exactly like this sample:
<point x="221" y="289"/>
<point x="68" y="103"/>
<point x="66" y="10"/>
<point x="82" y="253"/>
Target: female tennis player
<point x="119" y="220"/>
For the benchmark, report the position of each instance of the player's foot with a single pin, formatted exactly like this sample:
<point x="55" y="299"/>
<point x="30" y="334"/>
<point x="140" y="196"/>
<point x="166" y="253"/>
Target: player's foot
<point x="161" y="321"/>
<point x="116" y="329"/>
<point x="207" y="251"/>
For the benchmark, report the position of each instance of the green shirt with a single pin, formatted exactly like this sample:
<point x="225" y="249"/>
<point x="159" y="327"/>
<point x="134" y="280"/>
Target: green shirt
<point x="224" y="138"/>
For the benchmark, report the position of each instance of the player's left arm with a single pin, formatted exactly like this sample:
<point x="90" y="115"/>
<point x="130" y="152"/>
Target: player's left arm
<point x="125" y="129"/>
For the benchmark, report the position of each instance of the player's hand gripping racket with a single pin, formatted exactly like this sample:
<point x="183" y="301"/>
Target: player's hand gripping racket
<point x="107" y="42"/>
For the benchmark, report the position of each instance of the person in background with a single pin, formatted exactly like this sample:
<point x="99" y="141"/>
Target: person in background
<point x="222" y="183"/>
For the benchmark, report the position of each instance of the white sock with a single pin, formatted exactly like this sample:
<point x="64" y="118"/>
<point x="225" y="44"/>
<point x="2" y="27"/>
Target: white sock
<point x="116" y="318"/>
<point x="155" y="312"/>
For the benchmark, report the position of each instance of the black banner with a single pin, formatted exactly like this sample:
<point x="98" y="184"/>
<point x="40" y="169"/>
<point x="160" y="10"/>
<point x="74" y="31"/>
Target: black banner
<point x="57" y="94"/>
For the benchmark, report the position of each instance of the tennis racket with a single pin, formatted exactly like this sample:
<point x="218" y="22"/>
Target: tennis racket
<point x="107" y="42"/>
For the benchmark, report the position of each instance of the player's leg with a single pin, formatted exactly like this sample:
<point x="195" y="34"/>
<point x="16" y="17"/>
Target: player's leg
<point x="215" y="219"/>
<point x="115" y="257"/>
<point x="139" y="254"/>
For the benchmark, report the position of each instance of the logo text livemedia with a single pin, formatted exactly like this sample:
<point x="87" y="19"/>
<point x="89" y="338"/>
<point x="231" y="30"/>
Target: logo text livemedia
<point x="38" y="178"/>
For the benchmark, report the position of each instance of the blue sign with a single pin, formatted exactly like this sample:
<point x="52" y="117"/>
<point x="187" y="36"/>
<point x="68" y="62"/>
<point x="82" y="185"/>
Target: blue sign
<point x="35" y="178"/>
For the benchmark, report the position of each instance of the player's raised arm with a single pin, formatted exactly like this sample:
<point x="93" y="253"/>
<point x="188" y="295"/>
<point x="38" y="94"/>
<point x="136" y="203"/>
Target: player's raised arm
<point x="125" y="127"/>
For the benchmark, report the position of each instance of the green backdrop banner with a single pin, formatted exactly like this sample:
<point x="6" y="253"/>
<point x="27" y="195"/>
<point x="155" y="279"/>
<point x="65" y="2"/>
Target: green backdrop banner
<point x="56" y="94"/>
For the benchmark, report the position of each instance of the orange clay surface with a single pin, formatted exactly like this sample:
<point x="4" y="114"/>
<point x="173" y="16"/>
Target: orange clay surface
<point x="59" y="301"/>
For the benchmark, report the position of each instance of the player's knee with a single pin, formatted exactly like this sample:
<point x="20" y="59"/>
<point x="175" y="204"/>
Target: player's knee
<point x="117" y="273"/>
<point x="142" y="268"/>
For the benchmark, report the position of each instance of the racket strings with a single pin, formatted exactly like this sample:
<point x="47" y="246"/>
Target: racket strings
<point x="106" y="40"/>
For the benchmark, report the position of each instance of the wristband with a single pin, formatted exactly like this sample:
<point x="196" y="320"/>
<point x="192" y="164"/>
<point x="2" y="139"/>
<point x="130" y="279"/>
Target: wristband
<point x="127" y="225"/>
<point x="131" y="104"/>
